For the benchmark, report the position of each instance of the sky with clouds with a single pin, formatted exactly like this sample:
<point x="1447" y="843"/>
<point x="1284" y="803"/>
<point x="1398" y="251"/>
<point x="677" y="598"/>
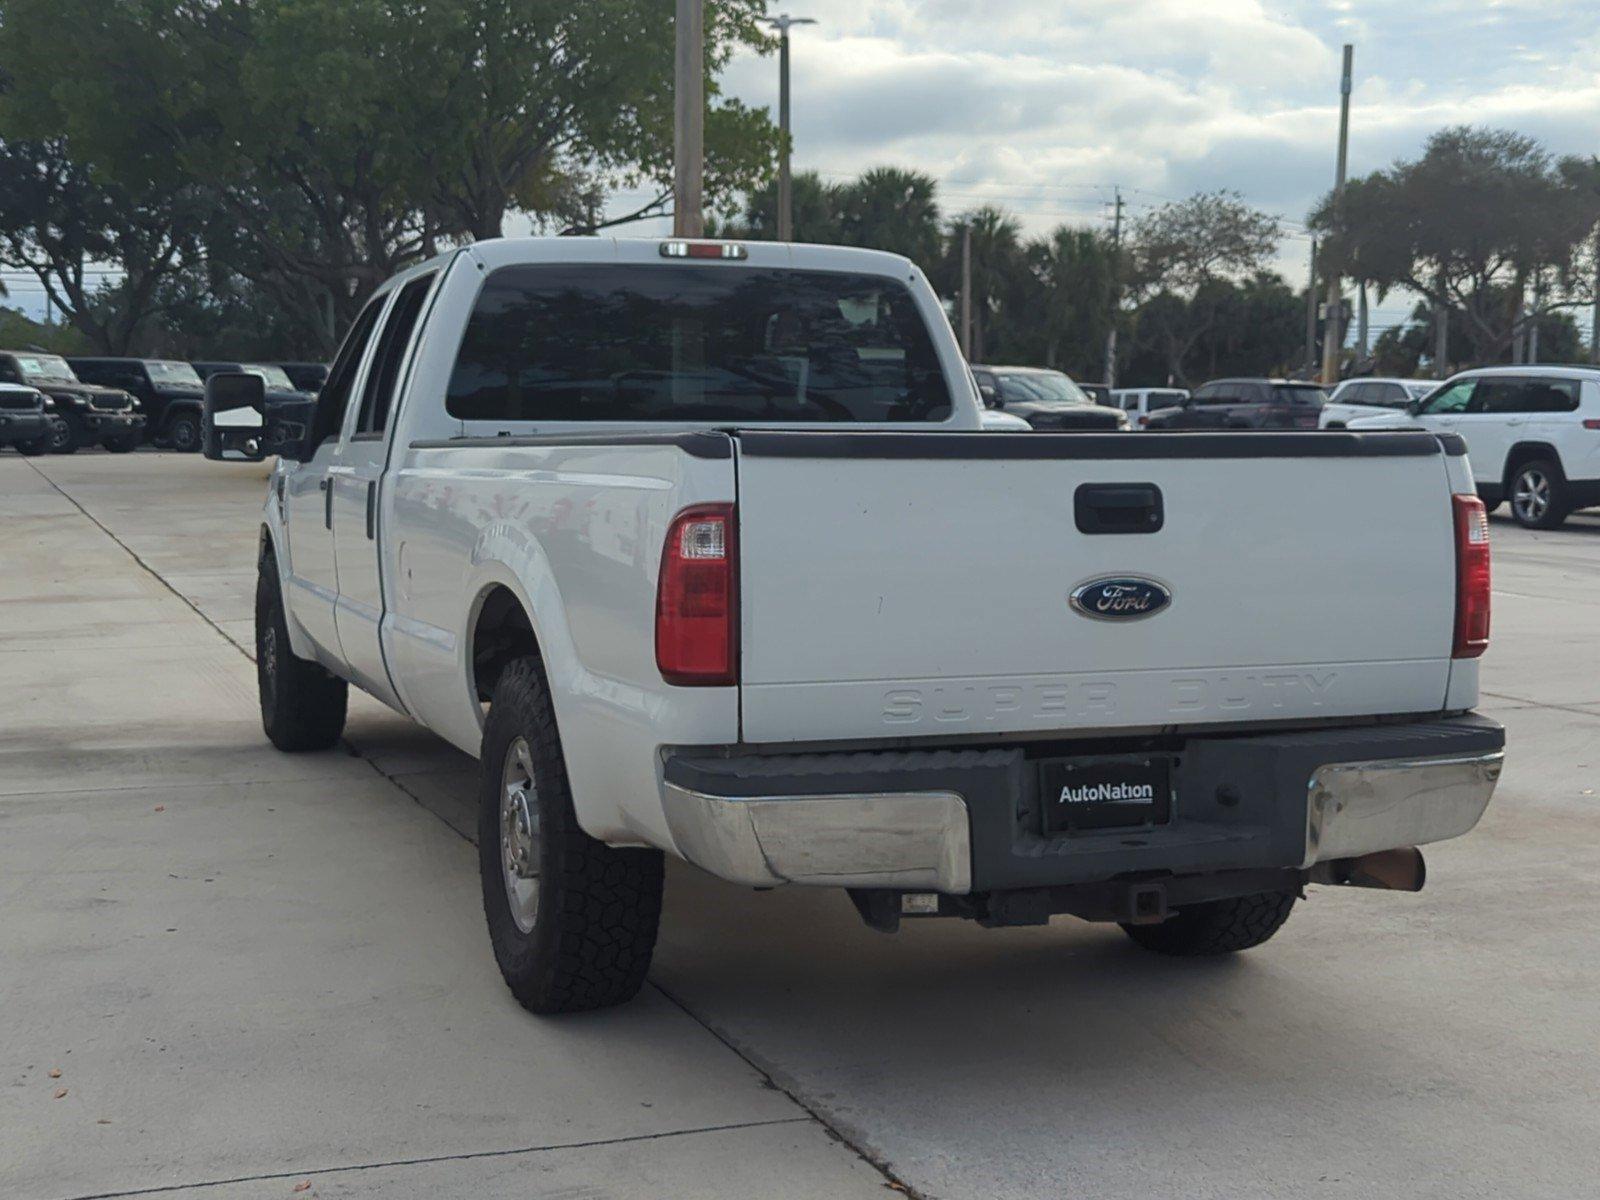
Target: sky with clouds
<point x="1043" y="106"/>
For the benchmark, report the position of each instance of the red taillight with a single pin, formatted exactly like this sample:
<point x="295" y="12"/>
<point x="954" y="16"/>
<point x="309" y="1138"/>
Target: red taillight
<point x="697" y="599"/>
<point x="1591" y="423"/>
<point x="678" y="248"/>
<point x="1472" y="577"/>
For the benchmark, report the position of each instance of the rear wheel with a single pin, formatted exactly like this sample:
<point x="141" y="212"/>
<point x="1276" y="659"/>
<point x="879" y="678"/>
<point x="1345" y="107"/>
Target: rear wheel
<point x="183" y="432"/>
<point x="1538" y="495"/>
<point x="572" y="920"/>
<point x="302" y="705"/>
<point x="37" y="446"/>
<point x="1216" y="926"/>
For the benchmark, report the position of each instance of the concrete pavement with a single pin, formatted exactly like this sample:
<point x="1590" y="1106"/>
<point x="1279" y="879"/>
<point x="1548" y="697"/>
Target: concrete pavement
<point x="326" y="1001"/>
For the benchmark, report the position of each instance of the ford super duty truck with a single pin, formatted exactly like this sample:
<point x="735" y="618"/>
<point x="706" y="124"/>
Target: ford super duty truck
<point x="699" y="549"/>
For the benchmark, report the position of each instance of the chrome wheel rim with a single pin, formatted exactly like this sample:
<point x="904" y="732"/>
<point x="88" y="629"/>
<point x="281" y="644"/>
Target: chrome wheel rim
<point x="521" y="834"/>
<point x="1531" y="496"/>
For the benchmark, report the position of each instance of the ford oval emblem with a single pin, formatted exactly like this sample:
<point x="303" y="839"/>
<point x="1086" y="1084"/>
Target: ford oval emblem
<point x="1121" y="598"/>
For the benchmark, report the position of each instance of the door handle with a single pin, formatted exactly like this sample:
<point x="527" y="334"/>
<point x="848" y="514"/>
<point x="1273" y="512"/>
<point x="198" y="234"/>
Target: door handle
<point x="1118" y="508"/>
<point x="372" y="509"/>
<point x="326" y="484"/>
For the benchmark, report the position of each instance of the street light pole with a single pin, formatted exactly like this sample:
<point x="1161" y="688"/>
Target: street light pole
<point x="1333" y="334"/>
<point x="689" y="126"/>
<point x="782" y="24"/>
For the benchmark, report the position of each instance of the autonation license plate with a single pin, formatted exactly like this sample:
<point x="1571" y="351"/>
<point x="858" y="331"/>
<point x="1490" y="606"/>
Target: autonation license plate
<point x="1105" y="793"/>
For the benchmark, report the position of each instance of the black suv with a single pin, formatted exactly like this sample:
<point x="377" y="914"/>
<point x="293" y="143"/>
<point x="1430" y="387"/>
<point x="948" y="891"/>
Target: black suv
<point x="1044" y="399"/>
<point x="1245" y="404"/>
<point x="170" y="393"/>
<point x="27" y="418"/>
<point x="90" y="415"/>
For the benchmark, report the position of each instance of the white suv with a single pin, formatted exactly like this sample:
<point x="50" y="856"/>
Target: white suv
<point x="1363" y="397"/>
<point x="1532" y="433"/>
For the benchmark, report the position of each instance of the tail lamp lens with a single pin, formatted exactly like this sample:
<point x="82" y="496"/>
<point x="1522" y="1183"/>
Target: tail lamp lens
<point x="1472" y="577"/>
<point x="697" y="599"/>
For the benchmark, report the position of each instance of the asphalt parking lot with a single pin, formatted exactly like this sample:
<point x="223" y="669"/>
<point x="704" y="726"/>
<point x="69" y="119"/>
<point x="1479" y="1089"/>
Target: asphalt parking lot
<point x="255" y="972"/>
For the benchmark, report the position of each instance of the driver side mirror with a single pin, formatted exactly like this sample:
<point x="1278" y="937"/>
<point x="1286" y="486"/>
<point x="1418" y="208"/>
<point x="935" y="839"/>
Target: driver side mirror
<point x="238" y="424"/>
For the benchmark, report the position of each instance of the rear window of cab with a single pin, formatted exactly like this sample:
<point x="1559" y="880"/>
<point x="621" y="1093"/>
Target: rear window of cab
<point x="688" y="342"/>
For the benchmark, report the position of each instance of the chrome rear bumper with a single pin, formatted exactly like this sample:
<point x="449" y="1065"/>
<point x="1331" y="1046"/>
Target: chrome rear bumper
<point x="1356" y="808"/>
<point x="910" y="840"/>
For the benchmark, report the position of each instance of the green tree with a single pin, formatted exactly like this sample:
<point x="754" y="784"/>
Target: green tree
<point x="1068" y="310"/>
<point x="999" y="274"/>
<point x="888" y="208"/>
<point x="1180" y="254"/>
<point x="1472" y="224"/>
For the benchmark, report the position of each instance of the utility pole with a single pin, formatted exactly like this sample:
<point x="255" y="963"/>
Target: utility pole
<point x="1594" y="322"/>
<point x="966" y="291"/>
<point x="689" y="131"/>
<point x="1116" y="292"/>
<point x="1311" y="314"/>
<point x="782" y="23"/>
<point x="1441" y="332"/>
<point x="1533" y="326"/>
<point x="1333" y="334"/>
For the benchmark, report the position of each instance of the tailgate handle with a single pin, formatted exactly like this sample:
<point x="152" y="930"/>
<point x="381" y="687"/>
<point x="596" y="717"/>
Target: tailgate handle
<point x="1118" y="508"/>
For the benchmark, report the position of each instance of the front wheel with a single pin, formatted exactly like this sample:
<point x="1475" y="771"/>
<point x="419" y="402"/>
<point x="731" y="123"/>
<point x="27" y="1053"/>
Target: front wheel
<point x="302" y="705"/>
<point x="1538" y="495"/>
<point x="1216" y="926"/>
<point x="36" y="446"/>
<point x="572" y="921"/>
<point x="183" y="432"/>
<point x="64" y="438"/>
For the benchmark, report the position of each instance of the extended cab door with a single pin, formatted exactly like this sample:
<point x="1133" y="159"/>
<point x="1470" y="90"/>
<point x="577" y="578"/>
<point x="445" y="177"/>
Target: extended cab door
<point x="357" y="478"/>
<point x="311" y="585"/>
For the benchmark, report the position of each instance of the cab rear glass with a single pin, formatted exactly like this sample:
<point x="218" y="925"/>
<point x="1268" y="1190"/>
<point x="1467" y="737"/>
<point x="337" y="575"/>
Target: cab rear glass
<point x="690" y="342"/>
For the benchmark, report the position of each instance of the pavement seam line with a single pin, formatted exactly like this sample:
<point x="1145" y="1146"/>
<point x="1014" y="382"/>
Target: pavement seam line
<point x="467" y="1156"/>
<point x="131" y="553"/>
<point x="874" y="1161"/>
<point x="1525" y="702"/>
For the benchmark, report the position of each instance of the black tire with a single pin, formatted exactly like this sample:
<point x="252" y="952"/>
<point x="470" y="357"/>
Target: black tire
<point x="38" y="446"/>
<point x="65" y="438"/>
<point x="183" y="432"/>
<point x="302" y="705"/>
<point x="1538" y="492"/>
<point x="1216" y="926"/>
<point x="588" y="926"/>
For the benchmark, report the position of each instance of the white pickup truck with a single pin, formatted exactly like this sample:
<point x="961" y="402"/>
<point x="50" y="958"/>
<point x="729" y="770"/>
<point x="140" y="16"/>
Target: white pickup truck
<point x="699" y="548"/>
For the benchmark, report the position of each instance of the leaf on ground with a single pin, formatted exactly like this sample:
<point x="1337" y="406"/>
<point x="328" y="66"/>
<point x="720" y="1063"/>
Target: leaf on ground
<point x="303" y="1186"/>
<point x="60" y="1092"/>
<point x="55" y="1072"/>
<point x="161" y="808"/>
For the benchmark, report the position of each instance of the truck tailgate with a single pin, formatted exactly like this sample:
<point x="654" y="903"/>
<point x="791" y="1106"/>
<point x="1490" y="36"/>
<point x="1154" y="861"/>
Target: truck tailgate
<point x="910" y="585"/>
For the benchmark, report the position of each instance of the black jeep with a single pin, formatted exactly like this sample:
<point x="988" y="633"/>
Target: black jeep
<point x="169" y="391"/>
<point x="89" y="415"/>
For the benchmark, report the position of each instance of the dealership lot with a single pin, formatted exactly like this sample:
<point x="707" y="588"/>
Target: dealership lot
<point x="255" y="970"/>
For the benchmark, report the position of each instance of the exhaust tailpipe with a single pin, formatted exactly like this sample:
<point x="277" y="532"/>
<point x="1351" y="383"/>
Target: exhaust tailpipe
<point x="1399" y="870"/>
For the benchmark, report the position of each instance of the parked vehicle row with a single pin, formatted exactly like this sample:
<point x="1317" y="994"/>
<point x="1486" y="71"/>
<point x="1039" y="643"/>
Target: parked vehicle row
<point x="1363" y="397"/>
<point x="582" y="560"/>
<point x="119" y="402"/>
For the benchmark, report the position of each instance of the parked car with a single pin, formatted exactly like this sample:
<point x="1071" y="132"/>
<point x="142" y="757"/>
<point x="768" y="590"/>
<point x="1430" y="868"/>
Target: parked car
<point x="27" y="419"/>
<point x="169" y="393"/>
<point x="1139" y="403"/>
<point x="1044" y="399"/>
<point x="306" y="376"/>
<point x="1362" y="397"/>
<point x="1532" y="434"/>
<point x="705" y="575"/>
<point x="276" y="378"/>
<point x="1244" y="404"/>
<point x="1098" y="392"/>
<point x="89" y="415"/>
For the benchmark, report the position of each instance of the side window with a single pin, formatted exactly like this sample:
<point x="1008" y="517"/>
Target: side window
<point x="9" y="372"/>
<point x="1457" y="398"/>
<point x="1206" y="394"/>
<point x="335" y="394"/>
<point x="377" y="397"/>
<point x="1551" y="396"/>
<point x="1356" y="393"/>
<point x="1499" y="396"/>
<point x="1389" y="395"/>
